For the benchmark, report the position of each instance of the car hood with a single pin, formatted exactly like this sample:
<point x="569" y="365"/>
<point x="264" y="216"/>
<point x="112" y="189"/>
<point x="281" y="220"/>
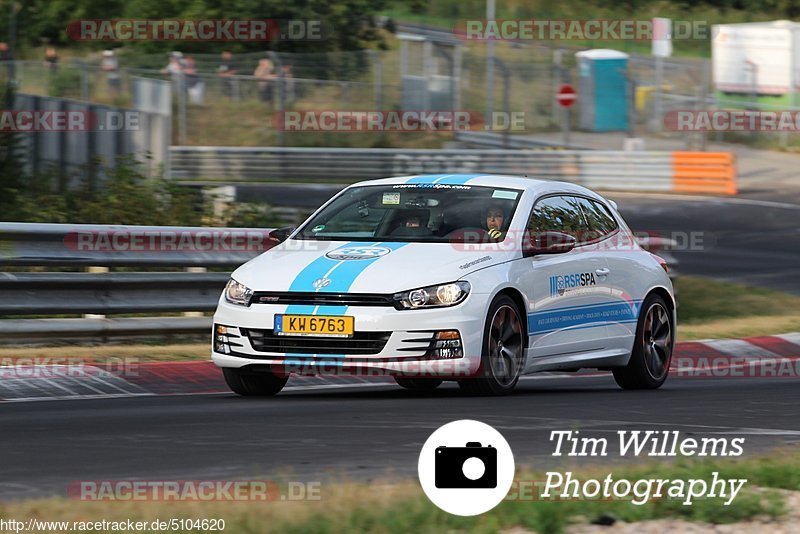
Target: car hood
<point x="364" y="267"/>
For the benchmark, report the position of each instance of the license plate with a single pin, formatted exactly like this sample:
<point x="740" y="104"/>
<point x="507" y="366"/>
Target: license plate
<point x="314" y="325"/>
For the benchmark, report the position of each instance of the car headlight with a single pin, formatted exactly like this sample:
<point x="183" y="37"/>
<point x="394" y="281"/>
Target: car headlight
<point x="237" y="293"/>
<point x="432" y="296"/>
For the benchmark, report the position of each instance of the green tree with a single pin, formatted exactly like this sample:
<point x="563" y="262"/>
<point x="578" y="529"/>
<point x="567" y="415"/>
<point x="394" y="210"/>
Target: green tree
<point x="350" y="21"/>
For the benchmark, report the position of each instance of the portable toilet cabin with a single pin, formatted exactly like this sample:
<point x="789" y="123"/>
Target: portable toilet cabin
<point x="603" y="88"/>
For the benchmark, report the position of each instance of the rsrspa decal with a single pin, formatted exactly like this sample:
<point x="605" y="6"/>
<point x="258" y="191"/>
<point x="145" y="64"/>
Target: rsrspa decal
<point x="560" y="284"/>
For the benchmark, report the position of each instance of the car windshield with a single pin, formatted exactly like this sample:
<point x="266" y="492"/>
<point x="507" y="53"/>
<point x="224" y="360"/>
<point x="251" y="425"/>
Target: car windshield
<point x="414" y="213"/>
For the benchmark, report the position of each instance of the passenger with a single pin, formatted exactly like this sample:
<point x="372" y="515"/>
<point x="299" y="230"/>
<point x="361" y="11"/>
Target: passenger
<point x="412" y="222"/>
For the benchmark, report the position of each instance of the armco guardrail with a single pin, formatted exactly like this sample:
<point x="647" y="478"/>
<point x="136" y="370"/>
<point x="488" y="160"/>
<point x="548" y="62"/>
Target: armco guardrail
<point x="67" y="293"/>
<point x="605" y="170"/>
<point x="65" y="245"/>
<point x="495" y="140"/>
<point x="108" y="293"/>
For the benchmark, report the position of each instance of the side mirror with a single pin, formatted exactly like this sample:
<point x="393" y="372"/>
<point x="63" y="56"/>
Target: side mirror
<point x="550" y="243"/>
<point x="279" y="235"/>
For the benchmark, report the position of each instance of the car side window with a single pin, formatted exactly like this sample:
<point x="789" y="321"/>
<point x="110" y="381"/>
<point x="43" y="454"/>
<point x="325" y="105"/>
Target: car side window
<point x="558" y="214"/>
<point x="601" y="222"/>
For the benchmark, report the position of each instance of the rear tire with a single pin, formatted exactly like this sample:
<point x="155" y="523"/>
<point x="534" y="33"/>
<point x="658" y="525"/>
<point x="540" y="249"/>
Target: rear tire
<point x="503" y="353"/>
<point x="245" y="383"/>
<point x="420" y="385"/>
<point x="648" y="367"/>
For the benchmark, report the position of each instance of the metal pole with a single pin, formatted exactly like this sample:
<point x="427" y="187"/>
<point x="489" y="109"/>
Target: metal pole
<point x="655" y="123"/>
<point x="276" y="60"/>
<point x="12" y="29"/>
<point x="457" y="78"/>
<point x="12" y="42"/>
<point x="704" y="100"/>
<point x="377" y="78"/>
<point x="566" y="115"/>
<point x="490" y="15"/>
<point x="557" y="80"/>
<point x="84" y="81"/>
<point x="181" y="94"/>
<point x="427" y="70"/>
<point x="631" y="105"/>
<point x="506" y="72"/>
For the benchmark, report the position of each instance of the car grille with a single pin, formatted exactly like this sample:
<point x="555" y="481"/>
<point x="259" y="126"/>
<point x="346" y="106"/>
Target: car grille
<point x="360" y="343"/>
<point x="321" y="299"/>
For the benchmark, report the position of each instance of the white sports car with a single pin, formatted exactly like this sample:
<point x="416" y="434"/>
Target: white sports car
<point x="472" y="278"/>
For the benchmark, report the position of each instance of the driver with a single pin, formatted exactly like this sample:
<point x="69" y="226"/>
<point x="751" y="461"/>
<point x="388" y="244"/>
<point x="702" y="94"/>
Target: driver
<point x="494" y="221"/>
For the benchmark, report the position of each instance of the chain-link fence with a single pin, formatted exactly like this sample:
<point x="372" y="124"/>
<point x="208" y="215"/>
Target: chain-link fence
<point x="219" y="100"/>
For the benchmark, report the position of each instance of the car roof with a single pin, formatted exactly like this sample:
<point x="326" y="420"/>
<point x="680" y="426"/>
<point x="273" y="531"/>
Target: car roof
<point x="488" y="180"/>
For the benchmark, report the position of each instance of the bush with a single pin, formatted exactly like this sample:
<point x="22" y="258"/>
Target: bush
<point x="64" y="82"/>
<point x="126" y="195"/>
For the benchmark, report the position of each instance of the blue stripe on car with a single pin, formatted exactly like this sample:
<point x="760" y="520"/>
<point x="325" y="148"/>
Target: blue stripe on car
<point x="449" y="179"/>
<point x="425" y="178"/>
<point x="342" y="274"/>
<point x="457" y="179"/>
<point x="587" y="316"/>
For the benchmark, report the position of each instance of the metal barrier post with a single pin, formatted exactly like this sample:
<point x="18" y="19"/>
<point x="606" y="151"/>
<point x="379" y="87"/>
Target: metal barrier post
<point x="195" y="270"/>
<point x="95" y="269"/>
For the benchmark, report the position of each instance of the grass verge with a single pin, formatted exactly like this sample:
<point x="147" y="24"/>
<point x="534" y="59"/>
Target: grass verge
<point x="711" y="309"/>
<point x="400" y="506"/>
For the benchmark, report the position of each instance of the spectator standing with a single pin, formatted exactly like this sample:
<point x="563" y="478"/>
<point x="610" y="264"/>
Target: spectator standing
<point x="227" y="71"/>
<point x="51" y="58"/>
<point x="195" y="86"/>
<point x="265" y="72"/>
<point x="288" y="83"/>
<point x="175" y="69"/>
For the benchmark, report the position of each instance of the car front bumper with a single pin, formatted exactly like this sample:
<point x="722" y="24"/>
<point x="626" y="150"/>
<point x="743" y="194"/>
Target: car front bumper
<point x="403" y="346"/>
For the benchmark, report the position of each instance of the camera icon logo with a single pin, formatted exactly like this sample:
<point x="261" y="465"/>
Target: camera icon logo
<point x="472" y="466"/>
<point x="466" y="467"/>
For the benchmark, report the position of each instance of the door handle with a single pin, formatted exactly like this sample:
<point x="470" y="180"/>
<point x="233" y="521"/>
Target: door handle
<point x="602" y="272"/>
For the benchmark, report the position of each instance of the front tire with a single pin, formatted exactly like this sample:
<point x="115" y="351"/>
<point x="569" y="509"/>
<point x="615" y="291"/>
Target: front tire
<point x="265" y="384"/>
<point x="503" y="352"/>
<point x="420" y="385"/>
<point x="652" y="349"/>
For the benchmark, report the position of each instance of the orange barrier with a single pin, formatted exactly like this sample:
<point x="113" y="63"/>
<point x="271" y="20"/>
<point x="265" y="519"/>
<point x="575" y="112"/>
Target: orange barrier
<point x="704" y="172"/>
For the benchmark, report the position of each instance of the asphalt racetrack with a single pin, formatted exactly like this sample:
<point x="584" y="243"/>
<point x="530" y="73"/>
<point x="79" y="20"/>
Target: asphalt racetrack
<point x="748" y="241"/>
<point x="360" y="433"/>
<point x="366" y="432"/>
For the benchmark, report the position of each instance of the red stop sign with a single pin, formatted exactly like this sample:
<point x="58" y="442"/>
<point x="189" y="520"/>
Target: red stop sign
<point x="566" y="95"/>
